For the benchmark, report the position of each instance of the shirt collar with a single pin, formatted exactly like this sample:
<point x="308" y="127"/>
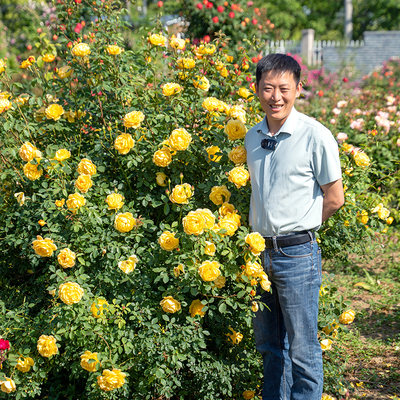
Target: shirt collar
<point x="288" y="127"/>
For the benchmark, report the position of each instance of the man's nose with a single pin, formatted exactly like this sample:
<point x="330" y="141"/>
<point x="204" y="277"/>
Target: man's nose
<point x="276" y="94"/>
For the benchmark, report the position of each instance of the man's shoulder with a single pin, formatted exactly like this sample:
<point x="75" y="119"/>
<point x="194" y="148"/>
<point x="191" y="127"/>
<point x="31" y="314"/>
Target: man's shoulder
<point x="313" y="127"/>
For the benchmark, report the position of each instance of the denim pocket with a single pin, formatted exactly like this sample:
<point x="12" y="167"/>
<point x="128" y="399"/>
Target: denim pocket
<point x="297" y="251"/>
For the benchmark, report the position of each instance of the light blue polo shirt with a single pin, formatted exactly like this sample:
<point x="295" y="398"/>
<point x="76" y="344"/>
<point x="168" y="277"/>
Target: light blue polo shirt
<point x="285" y="183"/>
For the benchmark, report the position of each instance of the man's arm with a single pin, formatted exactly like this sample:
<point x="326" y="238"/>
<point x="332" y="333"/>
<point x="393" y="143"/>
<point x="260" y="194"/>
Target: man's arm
<point x="333" y="198"/>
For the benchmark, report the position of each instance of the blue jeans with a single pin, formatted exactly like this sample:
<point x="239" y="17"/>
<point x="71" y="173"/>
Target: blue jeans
<point x="286" y="329"/>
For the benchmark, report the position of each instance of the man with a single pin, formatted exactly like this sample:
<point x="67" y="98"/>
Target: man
<point x="296" y="183"/>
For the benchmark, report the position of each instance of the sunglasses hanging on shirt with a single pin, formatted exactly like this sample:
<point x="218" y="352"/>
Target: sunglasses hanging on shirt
<point x="269" y="144"/>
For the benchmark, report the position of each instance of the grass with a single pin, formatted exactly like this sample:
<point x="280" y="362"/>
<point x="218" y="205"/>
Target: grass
<point x="370" y="347"/>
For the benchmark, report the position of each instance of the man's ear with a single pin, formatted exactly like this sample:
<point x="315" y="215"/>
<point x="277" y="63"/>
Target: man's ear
<point x="299" y="88"/>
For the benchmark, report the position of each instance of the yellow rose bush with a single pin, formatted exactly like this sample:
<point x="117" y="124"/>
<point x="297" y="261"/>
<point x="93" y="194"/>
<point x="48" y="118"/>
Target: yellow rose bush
<point x="135" y="280"/>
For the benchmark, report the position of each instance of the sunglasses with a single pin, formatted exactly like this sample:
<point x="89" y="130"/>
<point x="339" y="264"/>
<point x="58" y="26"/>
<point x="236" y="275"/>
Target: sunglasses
<point x="269" y="144"/>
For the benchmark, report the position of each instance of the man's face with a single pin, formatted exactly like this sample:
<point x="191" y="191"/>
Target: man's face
<point x="277" y="92"/>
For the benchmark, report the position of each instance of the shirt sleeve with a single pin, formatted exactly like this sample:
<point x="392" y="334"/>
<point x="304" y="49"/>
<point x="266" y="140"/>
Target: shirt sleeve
<point x="325" y="158"/>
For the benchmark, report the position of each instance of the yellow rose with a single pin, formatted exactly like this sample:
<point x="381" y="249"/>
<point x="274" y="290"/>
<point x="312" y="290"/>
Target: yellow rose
<point x="226" y="208"/>
<point x="220" y="195"/>
<point x="89" y="361"/>
<point x="179" y="269"/>
<point x="162" y="157"/>
<point x="238" y="155"/>
<point x="28" y="152"/>
<point x="25" y="64"/>
<point x="179" y="139"/>
<point x="161" y="179"/>
<point x="248" y="394"/>
<point x="235" y="129"/>
<point x="75" y="202"/>
<point x="239" y="176"/>
<point x="235" y="337"/>
<point x="256" y="243"/>
<point x="181" y="194"/>
<point x="209" y="249"/>
<point x="54" y="112"/>
<point x="124" y="222"/>
<point x="213" y="104"/>
<point x="209" y="270"/>
<point x="363" y="216"/>
<point x="168" y="241"/>
<point x="123" y="143"/>
<point x="80" y="50"/>
<point x="326" y="344"/>
<point x="129" y="265"/>
<point x="194" y="223"/>
<point x="170" y="305"/>
<point x="47" y="346"/>
<point x="185" y="63"/>
<point x="220" y="282"/>
<point x="59" y="203"/>
<point x="330" y="327"/>
<point x="327" y="397"/>
<point x="177" y="43"/>
<point x="98" y="307"/>
<point x="383" y="213"/>
<point x="113" y="50"/>
<point x="229" y="224"/>
<point x="212" y="151"/>
<point x="5" y="104"/>
<point x="3" y="65"/>
<point x="244" y="92"/>
<point x="196" y="308"/>
<point x="66" y="258"/>
<point x="347" y="317"/>
<point x="253" y="269"/>
<point x="83" y="183"/>
<point x="209" y="217"/>
<point x="265" y="283"/>
<point x="111" y="380"/>
<point x="389" y="220"/>
<point x="20" y="197"/>
<point x="86" y="167"/>
<point x="361" y="159"/>
<point x="133" y="119"/>
<point x="62" y="154"/>
<point x="201" y="82"/>
<point x="237" y="113"/>
<point x="70" y="293"/>
<point x="224" y="72"/>
<point x="254" y="306"/>
<point x="32" y="172"/>
<point x="171" y="88"/>
<point x="157" y="40"/>
<point x="8" y="385"/>
<point x="48" y="58"/>
<point x="44" y="247"/>
<point x="64" y="72"/>
<point x="115" y="201"/>
<point x="24" y="364"/>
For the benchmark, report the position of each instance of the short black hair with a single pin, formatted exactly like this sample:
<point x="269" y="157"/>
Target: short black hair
<point x="279" y="63"/>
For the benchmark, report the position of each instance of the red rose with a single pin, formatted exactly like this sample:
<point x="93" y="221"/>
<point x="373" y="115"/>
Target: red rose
<point x="209" y="5"/>
<point x="215" y="20"/>
<point x="220" y="9"/>
<point x="231" y="14"/>
<point x="4" y="344"/>
<point x="199" y="6"/>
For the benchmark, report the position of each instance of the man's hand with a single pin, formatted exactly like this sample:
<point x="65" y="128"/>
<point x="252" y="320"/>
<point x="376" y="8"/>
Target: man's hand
<point x="333" y="198"/>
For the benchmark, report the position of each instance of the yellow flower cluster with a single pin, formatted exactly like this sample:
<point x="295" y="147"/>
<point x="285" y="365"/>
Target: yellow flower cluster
<point x="235" y="129"/>
<point x="3" y="65"/>
<point x="5" y="104"/>
<point x="212" y="104"/>
<point x="383" y="212"/>
<point x="44" y="247"/>
<point x="28" y="62"/>
<point x="83" y="183"/>
<point x="212" y="153"/>
<point x="54" y="112"/>
<point x="168" y="241"/>
<point x="237" y="113"/>
<point x="185" y="63"/>
<point x="110" y="380"/>
<point x="128" y="265"/>
<point x="201" y="82"/>
<point x="70" y="292"/>
<point x="361" y="159"/>
<point x="239" y="176"/>
<point x="86" y="167"/>
<point x="64" y="72"/>
<point x="48" y="57"/>
<point x="326" y="344"/>
<point x="179" y="139"/>
<point x="248" y="394"/>
<point x="75" y="201"/>
<point x="98" y="307"/>
<point x="177" y="43"/>
<point x="28" y="152"/>
<point x="32" y="172"/>
<point x="196" y="308"/>
<point x="113" y="50"/>
<point x="347" y="317"/>
<point x="234" y="337"/>
<point x="8" y="385"/>
<point x="238" y="155"/>
<point x="170" y="305"/>
<point x="133" y="119"/>
<point x="244" y="92"/>
<point x="62" y="154"/>
<point x="47" y="346"/>
<point x="89" y="361"/>
<point x="162" y="157"/>
<point x="197" y="221"/>
<point x="157" y="39"/>
<point x="220" y="195"/>
<point x="210" y="248"/>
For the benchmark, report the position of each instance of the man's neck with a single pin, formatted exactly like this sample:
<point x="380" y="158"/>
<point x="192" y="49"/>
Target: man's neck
<point x="274" y="126"/>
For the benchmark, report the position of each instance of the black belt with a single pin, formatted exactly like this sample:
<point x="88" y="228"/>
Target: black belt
<point x="289" y="240"/>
